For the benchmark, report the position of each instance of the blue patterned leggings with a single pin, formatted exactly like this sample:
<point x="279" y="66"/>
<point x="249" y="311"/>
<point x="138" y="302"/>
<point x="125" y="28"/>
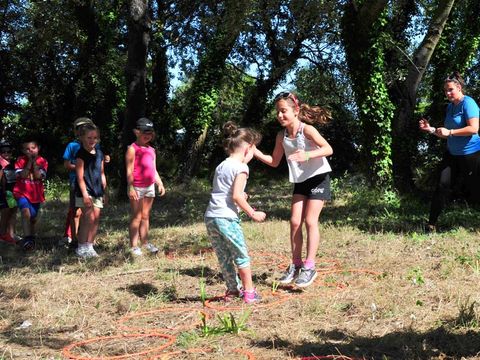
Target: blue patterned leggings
<point x="229" y="244"/>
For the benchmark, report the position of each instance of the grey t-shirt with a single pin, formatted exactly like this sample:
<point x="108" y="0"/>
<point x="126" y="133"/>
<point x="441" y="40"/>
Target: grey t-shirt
<point x="221" y="202"/>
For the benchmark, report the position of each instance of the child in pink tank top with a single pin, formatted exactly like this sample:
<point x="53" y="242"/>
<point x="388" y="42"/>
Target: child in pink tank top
<point x="142" y="176"/>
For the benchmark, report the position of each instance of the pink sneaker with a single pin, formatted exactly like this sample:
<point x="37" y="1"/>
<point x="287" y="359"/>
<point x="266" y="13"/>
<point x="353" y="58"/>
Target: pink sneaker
<point x="251" y="297"/>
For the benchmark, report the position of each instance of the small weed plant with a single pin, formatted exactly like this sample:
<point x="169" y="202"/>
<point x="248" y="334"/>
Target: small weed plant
<point x="468" y="317"/>
<point x="228" y="324"/>
<point x="416" y="276"/>
<point x="275" y="285"/>
<point x="231" y="326"/>
<point x="203" y="287"/>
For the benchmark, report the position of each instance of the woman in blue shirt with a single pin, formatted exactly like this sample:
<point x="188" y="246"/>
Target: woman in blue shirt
<point x="463" y="144"/>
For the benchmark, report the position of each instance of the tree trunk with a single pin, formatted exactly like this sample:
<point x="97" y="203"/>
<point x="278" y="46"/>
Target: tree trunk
<point x="138" y="40"/>
<point x="362" y="27"/>
<point x="257" y="100"/>
<point x="203" y="94"/>
<point x="404" y="125"/>
<point x="159" y="89"/>
<point x="135" y="72"/>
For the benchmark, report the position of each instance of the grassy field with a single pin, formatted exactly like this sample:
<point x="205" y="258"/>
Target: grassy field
<point x="385" y="290"/>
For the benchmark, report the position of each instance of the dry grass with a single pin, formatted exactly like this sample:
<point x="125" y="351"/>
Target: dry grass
<point x="421" y="303"/>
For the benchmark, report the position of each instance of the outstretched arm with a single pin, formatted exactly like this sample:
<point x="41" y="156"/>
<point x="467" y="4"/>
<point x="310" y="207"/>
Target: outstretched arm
<point x="277" y="154"/>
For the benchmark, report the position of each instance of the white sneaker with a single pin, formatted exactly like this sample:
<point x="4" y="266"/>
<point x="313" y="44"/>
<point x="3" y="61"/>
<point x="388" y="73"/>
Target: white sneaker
<point x="91" y="253"/>
<point x="152" y="249"/>
<point x="136" y="251"/>
<point x="17" y="238"/>
<point x="81" y="251"/>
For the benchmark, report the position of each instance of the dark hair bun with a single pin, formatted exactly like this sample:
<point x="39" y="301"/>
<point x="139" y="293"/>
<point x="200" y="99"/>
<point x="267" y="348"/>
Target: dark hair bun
<point x="229" y="128"/>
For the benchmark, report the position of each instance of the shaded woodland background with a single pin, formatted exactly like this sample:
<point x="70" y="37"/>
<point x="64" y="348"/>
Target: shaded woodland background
<point x="191" y="65"/>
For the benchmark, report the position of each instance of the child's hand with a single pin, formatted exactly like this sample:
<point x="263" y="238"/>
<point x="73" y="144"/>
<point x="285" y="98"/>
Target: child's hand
<point x="87" y="201"/>
<point x="298" y="156"/>
<point x="161" y="189"/>
<point x="132" y="193"/>
<point x="258" y="216"/>
<point x="106" y="158"/>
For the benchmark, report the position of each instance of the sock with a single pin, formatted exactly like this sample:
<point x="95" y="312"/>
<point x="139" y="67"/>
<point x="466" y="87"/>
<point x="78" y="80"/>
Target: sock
<point x="309" y="264"/>
<point x="297" y="262"/>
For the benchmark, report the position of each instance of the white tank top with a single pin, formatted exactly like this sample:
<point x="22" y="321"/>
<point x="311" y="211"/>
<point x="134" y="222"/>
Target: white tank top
<point x="301" y="171"/>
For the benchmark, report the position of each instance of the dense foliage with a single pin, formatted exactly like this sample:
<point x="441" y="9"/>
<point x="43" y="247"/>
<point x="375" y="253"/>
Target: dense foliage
<point x="192" y="65"/>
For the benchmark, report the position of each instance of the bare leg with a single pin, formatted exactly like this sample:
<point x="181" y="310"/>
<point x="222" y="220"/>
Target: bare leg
<point x="26" y="226"/>
<point x="11" y="220"/>
<point x="145" y="219"/>
<point x="246" y="278"/>
<point x="88" y="225"/>
<point x="135" y="220"/>
<point x="296" y="221"/>
<point x="312" y="213"/>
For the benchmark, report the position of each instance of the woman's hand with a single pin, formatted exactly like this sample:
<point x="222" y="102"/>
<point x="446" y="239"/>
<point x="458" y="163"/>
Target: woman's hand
<point x="443" y="132"/>
<point x="424" y="125"/>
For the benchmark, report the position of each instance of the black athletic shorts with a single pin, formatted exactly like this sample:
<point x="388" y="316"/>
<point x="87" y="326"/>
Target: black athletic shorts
<point x="315" y="188"/>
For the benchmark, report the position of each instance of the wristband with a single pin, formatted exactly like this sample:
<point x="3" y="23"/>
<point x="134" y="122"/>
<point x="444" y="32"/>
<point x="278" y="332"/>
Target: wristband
<point x="450" y="133"/>
<point x="307" y="155"/>
<point x="130" y="188"/>
<point x="431" y="129"/>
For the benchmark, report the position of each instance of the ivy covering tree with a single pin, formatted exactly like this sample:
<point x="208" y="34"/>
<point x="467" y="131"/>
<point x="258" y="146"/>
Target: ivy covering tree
<point x="386" y="88"/>
<point x="191" y="65"/>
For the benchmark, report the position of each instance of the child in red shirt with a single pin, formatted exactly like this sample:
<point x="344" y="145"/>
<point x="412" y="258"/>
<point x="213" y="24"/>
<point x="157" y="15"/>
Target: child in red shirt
<point x="31" y="170"/>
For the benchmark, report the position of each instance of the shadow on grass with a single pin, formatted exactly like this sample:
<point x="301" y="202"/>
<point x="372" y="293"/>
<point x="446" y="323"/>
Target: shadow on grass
<point x="47" y="257"/>
<point x="357" y="207"/>
<point x="210" y="276"/>
<point x="438" y="343"/>
<point x="143" y="290"/>
<point x="45" y="340"/>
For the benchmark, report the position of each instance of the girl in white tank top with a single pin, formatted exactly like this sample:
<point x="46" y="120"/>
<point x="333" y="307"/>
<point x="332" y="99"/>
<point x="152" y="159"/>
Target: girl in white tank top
<point x="306" y="151"/>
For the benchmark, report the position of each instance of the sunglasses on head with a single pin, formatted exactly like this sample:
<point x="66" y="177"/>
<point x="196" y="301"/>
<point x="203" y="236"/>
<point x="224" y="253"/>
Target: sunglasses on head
<point x="452" y="78"/>
<point x="287" y="95"/>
